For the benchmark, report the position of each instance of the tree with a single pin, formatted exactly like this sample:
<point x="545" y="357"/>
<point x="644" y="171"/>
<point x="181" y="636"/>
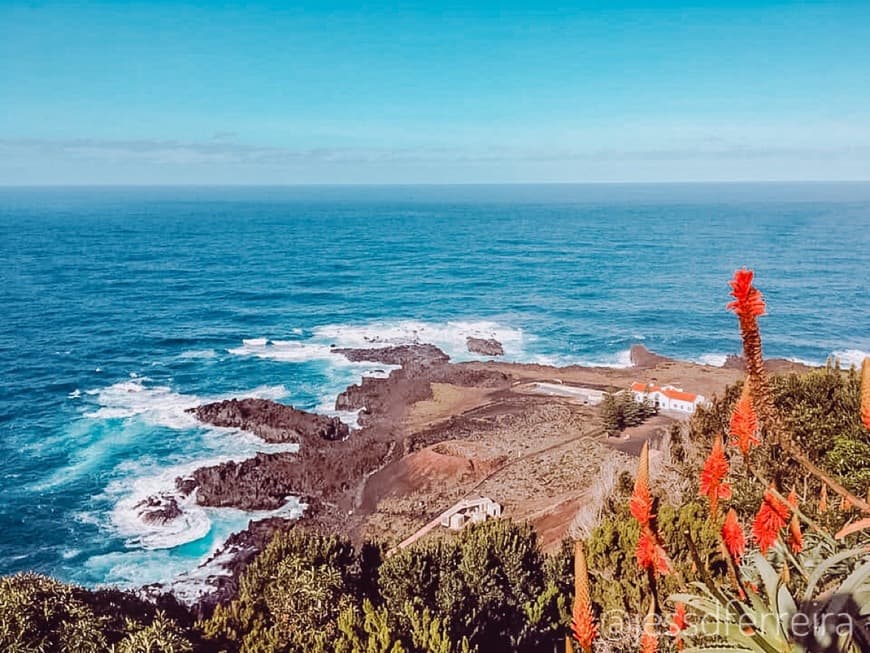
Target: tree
<point x="620" y="410"/>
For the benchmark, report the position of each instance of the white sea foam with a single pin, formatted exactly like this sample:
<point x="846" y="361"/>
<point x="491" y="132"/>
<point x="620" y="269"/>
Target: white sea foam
<point x="282" y="350"/>
<point x="447" y="336"/>
<point x="138" y="406"/>
<point x="140" y="566"/>
<point x="848" y="357"/>
<point x="160" y="405"/>
<point x="191" y="525"/>
<point x="619" y="360"/>
<point x="713" y="360"/>
<point x="195" y="354"/>
<point x="129" y="493"/>
<point x="75" y="394"/>
<point x="189" y="586"/>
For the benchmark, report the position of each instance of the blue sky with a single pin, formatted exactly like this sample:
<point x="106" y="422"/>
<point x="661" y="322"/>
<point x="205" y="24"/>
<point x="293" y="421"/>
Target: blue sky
<point x="432" y="92"/>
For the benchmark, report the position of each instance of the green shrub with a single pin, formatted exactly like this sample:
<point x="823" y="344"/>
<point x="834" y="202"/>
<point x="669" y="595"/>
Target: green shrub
<point x="619" y="411"/>
<point x="487" y="585"/>
<point x="39" y="614"/>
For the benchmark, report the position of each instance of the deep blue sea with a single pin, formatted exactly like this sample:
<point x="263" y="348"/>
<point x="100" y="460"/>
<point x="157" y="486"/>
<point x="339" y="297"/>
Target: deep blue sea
<point x="122" y="307"/>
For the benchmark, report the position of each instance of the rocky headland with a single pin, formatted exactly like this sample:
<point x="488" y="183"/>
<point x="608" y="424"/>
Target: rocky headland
<point x="271" y="421"/>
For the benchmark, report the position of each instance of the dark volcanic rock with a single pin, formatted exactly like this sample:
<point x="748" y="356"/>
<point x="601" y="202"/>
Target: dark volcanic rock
<point x="643" y="358"/>
<point x="423" y="355"/>
<point x="272" y="421"/>
<point x="772" y="365"/>
<point x="403" y="387"/>
<point x="383" y="397"/>
<point x="158" y="509"/>
<point x="265" y="481"/>
<point x="185" y="485"/>
<point x="469" y="375"/>
<point x="484" y="346"/>
<point x="260" y="483"/>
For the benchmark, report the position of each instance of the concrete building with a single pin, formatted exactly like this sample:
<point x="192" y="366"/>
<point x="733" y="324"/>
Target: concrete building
<point x="470" y="511"/>
<point x="667" y="397"/>
<point x="581" y="394"/>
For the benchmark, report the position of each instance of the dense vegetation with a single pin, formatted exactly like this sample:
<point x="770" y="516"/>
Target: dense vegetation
<point x="39" y="614"/>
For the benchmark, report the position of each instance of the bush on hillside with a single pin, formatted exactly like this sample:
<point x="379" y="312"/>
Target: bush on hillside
<point x="41" y="614"/>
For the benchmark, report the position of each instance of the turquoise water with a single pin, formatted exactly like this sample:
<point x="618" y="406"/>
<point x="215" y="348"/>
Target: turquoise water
<point x="123" y="307"/>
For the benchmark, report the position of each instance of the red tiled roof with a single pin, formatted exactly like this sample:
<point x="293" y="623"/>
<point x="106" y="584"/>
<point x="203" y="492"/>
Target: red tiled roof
<point x="679" y="395"/>
<point x="670" y="393"/>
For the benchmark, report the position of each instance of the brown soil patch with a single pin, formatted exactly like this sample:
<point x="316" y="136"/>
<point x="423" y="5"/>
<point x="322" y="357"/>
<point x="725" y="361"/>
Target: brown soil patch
<point x="447" y="400"/>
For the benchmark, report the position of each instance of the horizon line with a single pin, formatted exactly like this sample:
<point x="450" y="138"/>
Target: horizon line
<point x="440" y="184"/>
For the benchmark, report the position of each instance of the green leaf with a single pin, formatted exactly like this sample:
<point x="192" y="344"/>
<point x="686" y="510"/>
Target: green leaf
<point x="823" y="567"/>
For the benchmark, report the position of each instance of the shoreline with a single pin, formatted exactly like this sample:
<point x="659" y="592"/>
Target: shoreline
<point x="431" y="432"/>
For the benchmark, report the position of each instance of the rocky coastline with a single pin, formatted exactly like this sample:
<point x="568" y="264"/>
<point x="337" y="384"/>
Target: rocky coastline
<point x="331" y="470"/>
<point x="332" y="463"/>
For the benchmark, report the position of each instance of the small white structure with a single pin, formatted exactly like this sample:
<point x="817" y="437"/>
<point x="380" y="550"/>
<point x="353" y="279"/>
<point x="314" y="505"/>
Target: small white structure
<point x="667" y="397"/>
<point x="587" y="396"/>
<point x="470" y="511"/>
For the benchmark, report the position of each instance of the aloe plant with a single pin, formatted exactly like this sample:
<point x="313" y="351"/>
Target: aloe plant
<point x="829" y="614"/>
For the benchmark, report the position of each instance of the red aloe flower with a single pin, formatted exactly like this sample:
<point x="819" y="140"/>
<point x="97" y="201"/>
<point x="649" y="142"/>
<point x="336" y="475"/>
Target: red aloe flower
<point x="732" y="535"/>
<point x="649" y="641"/>
<point x="583" y="624"/>
<point x="640" y="503"/>
<point x="678" y="625"/>
<point x="865" y="393"/>
<point x="744" y="422"/>
<point x="748" y="301"/>
<point x="772" y="516"/>
<point x="650" y="553"/>
<point x="748" y="305"/>
<point x="713" y="485"/>
<point x="795" y="537"/>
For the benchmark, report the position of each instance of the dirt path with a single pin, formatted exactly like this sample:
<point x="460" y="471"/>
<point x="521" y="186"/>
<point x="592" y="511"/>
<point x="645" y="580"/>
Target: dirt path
<point x="434" y="523"/>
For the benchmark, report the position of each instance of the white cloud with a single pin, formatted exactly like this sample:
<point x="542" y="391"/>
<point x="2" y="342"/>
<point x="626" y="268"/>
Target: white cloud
<point x="222" y="159"/>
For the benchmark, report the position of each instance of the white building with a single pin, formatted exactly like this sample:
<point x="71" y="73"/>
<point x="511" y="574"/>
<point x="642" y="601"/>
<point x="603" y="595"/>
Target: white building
<point x="470" y="511"/>
<point x="583" y="395"/>
<point x="667" y="397"/>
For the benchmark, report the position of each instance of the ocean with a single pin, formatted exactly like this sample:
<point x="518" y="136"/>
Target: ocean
<point x="122" y="307"/>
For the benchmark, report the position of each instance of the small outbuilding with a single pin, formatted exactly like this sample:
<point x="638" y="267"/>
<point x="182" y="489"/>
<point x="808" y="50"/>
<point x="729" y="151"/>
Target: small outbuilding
<point x="470" y="511"/>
